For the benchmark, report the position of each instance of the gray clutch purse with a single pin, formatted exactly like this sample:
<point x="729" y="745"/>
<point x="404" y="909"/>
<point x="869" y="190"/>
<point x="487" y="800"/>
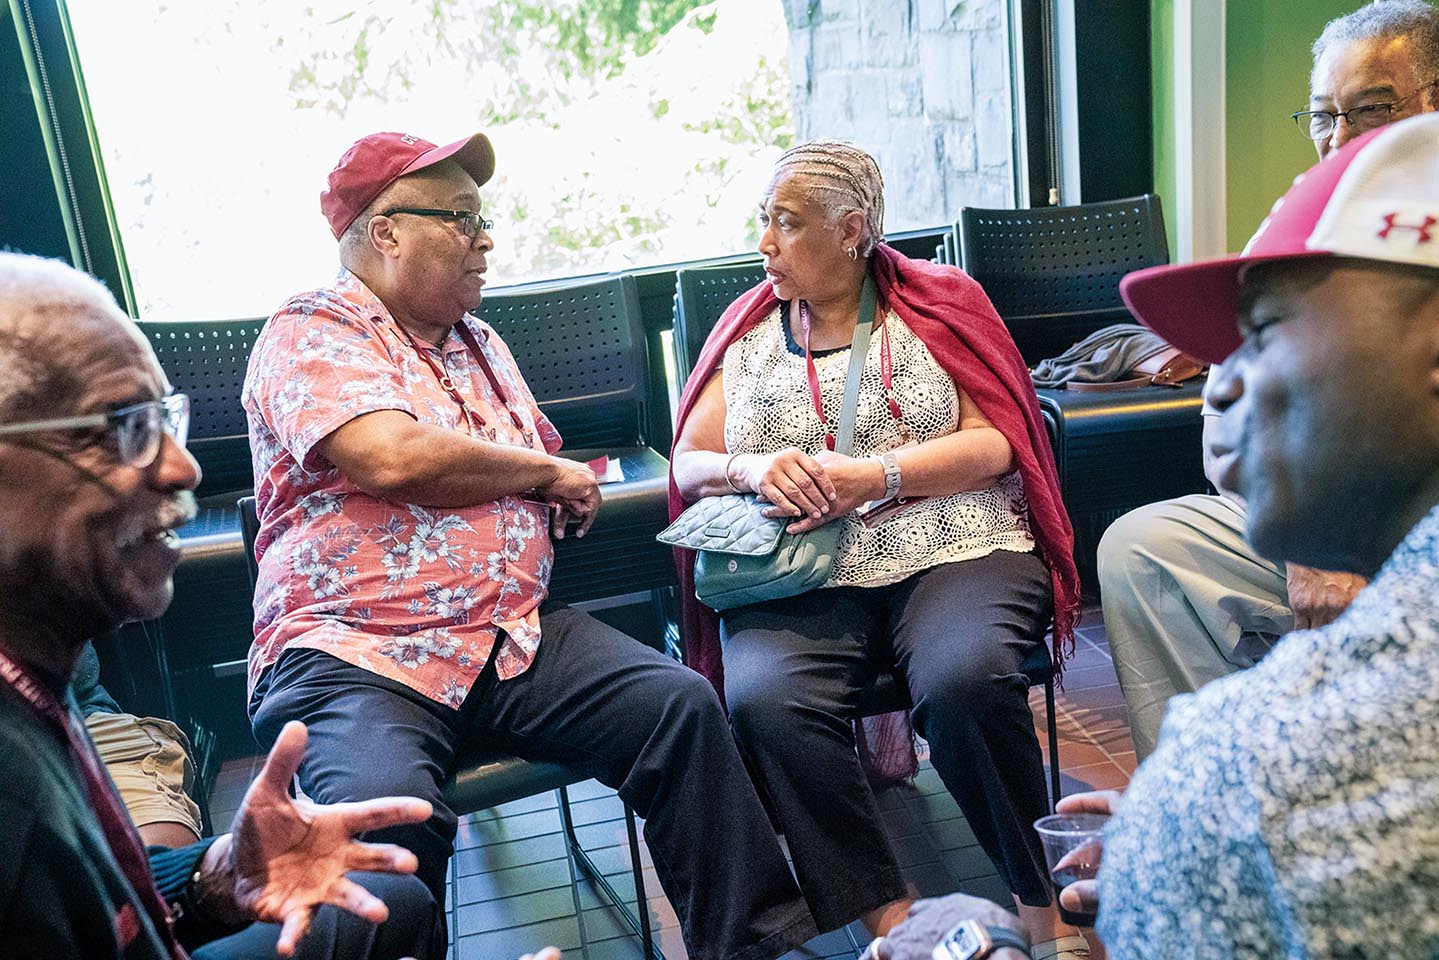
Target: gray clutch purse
<point x="732" y="523"/>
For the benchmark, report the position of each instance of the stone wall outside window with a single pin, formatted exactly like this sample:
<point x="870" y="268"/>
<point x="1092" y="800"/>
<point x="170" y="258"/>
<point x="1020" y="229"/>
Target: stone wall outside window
<point x="923" y="85"/>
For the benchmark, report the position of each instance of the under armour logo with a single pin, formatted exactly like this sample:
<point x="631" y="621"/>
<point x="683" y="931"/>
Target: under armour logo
<point x="1421" y="228"/>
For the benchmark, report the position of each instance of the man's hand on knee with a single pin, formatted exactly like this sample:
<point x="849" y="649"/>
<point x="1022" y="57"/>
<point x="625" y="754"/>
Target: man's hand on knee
<point x="1318" y="597"/>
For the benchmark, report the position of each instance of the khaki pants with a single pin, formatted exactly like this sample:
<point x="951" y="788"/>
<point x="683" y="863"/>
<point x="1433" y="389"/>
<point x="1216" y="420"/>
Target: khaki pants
<point x="149" y="761"/>
<point x="1186" y="601"/>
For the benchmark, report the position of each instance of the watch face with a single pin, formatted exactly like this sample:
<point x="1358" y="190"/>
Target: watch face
<point x="965" y="942"/>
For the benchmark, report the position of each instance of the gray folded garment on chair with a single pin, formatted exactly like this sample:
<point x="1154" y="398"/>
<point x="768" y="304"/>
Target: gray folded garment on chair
<point x="1103" y="356"/>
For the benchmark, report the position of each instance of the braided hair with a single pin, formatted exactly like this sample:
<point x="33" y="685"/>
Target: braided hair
<point x="839" y="178"/>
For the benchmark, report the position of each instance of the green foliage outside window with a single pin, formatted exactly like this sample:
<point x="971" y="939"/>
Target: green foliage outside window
<point x="627" y="132"/>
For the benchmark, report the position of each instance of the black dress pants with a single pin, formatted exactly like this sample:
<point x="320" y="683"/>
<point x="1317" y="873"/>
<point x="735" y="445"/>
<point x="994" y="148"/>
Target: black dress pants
<point x="956" y="634"/>
<point x="413" y="929"/>
<point x="594" y="699"/>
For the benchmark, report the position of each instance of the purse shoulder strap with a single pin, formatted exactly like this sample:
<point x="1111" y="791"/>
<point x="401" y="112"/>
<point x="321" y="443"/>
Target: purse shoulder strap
<point x="858" y="350"/>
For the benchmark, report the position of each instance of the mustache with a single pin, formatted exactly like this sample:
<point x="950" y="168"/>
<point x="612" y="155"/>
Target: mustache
<point x="176" y="511"/>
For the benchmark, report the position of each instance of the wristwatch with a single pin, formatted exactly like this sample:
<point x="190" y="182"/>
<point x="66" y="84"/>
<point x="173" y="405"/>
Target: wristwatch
<point x="972" y="940"/>
<point x="892" y="478"/>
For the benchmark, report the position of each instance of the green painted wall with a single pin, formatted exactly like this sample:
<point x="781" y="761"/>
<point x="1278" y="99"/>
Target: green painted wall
<point x="1161" y="106"/>
<point x="1267" y="63"/>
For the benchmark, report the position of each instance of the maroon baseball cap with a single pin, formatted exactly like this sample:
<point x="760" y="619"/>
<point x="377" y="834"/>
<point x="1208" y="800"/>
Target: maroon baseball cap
<point x="1377" y="198"/>
<point x="376" y="161"/>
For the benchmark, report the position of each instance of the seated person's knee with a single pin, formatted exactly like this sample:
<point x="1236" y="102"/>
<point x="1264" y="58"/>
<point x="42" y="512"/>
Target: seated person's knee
<point x="148" y="761"/>
<point x="1128" y="540"/>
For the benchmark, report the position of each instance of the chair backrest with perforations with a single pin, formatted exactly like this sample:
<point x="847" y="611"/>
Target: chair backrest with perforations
<point x="581" y="348"/>
<point x="207" y="360"/>
<point x="701" y="296"/>
<point x="1053" y="273"/>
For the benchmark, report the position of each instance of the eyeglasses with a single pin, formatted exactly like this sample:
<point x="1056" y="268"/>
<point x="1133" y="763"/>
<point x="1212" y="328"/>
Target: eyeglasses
<point x="1319" y="124"/>
<point x="137" y="429"/>
<point x="471" y="223"/>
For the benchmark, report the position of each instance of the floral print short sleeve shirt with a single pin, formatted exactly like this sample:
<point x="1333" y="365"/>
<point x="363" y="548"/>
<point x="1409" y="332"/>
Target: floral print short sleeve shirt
<point x="1292" y="810"/>
<point x="414" y="593"/>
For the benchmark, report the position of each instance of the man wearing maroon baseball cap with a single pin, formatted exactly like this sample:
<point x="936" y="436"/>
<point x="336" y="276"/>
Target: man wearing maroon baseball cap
<point x="1290" y="809"/>
<point x="1186" y="598"/>
<point x="407" y="486"/>
<point x="373" y="163"/>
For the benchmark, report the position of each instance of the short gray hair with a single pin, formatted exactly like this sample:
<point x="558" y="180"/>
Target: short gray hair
<point x="35" y="291"/>
<point x="355" y="240"/>
<point x="1415" y="20"/>
<point x="840" y="178"/>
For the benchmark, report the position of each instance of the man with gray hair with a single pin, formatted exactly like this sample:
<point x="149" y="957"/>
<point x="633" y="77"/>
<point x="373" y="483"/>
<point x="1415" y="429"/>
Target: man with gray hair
<point x="1374" y="66"/>
<point x="1186" y="598"/>
<point x="94" y="481"/>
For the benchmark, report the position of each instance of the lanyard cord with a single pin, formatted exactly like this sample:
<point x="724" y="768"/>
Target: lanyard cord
<point x="886" y="375"/>
<point x="449" y="386"/>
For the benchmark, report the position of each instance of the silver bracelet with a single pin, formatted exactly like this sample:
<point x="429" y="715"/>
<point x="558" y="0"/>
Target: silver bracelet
<point x="892" y="475"/>
<point x="730" y="483"/>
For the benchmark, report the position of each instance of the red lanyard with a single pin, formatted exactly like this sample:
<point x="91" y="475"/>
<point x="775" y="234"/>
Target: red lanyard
<point x="449" y="386"/>
<point x="886" y="376"/>
<point x="119" y="830"/>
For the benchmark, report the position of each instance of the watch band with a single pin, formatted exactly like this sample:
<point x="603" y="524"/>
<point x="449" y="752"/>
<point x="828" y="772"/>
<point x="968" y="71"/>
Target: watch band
<point x="973" y="940"/>
<point x="999" y="937"/>
<point x="892" y="476"/>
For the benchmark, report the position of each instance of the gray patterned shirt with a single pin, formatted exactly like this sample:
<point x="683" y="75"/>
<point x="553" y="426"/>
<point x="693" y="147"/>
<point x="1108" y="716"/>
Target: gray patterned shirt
<point x="1292" y="810"/>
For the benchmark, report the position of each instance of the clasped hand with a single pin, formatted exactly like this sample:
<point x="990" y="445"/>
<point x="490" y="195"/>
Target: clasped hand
<point x="817" y="488"/>
<point x="1318" y="597"/>
<point x="574" y="494"/>
<point x="286" y="857"/>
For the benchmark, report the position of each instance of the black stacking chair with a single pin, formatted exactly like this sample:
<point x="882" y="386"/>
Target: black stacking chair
<point x="486" y="778"/>
<point x="701" y="295"/>
<point x="202" y="639"/>
<point x="207" y="360"/>
<point x="1053" y="274"/>
<point x="581" y="348"/>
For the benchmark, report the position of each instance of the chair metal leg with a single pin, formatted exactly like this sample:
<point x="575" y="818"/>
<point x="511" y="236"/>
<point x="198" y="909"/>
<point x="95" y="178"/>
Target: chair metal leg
<point x="666" y="601"/>
<point x="639" y="920"/>
<point x="1053" y="743"/>
<point x="642" y="903"/>
<point x="572" y="860"/>
<point x="452" y="909"/>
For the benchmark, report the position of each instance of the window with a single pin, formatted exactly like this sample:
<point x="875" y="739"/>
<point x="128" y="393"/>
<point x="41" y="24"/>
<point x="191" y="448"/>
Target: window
<point x="627" y="132"/>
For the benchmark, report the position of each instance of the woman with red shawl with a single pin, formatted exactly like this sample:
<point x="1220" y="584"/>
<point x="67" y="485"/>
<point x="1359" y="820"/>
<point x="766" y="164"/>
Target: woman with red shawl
<point x="954" y="554"/>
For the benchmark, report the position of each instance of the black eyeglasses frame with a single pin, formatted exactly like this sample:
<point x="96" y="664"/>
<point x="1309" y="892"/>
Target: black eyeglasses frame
<point x="471" y="222"/>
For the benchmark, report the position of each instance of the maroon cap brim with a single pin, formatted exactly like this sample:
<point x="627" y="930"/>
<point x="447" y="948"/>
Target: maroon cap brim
<point x="1194" y="306"/>
<point x="474" y="154"/>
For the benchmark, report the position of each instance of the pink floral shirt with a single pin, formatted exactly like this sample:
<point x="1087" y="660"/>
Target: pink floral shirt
<point x="409" y="592"/>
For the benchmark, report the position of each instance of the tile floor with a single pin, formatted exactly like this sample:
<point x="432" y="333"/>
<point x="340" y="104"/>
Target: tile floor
<point x="511" y="887"/>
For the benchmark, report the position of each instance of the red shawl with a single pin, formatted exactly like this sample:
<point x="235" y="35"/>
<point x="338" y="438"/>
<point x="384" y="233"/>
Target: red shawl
<point x="953" y="316"/>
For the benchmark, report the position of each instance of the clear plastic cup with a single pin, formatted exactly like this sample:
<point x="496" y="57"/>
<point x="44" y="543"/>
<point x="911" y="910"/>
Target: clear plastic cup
<point x="1073" y="844"/>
